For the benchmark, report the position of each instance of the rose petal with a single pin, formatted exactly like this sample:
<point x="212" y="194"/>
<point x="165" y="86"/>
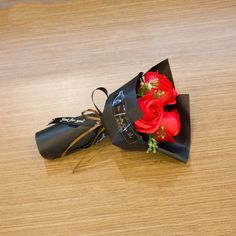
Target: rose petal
<point x="171" y="124"/>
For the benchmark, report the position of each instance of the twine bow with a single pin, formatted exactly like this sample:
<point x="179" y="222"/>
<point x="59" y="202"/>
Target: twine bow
<point x="89" y="114"/>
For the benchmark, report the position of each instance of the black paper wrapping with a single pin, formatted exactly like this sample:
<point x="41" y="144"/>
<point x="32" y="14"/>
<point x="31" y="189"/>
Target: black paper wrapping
<point x="53" y="141"/>
<point x="120" y="111"/>
<point x="126" y="110"/>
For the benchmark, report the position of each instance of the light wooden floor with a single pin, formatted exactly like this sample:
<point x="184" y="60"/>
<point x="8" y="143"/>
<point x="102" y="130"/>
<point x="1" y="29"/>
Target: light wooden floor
<point x="53" y="54"/>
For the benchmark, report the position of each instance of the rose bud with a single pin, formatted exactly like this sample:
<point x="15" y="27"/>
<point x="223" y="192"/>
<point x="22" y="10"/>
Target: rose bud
<point x="152" y="115"/>
<point x="160" y="87"/>
<point x="169" y="127"/>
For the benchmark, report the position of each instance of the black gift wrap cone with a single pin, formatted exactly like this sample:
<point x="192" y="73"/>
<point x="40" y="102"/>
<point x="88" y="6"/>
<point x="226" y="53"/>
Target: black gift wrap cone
<point x="121" y="110"/>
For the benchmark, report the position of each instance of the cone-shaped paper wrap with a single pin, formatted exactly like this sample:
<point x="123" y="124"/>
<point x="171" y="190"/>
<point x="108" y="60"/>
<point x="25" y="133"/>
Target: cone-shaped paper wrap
<point x="121" y="110"/>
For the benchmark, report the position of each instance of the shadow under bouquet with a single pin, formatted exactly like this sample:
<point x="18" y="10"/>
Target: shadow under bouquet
<point x="145" y="114"/>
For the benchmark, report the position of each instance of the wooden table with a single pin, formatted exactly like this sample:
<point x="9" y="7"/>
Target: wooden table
<point x="53" y="54"/>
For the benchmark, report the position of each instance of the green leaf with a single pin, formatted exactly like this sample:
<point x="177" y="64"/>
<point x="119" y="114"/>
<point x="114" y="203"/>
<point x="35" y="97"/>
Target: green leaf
<point x="152" y="144"/>
<point x="142" y="90"/>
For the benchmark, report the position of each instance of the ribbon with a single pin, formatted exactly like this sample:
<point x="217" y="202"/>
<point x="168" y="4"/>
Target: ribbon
<point x="93" y="115"/>
<point x="89" y="114"/>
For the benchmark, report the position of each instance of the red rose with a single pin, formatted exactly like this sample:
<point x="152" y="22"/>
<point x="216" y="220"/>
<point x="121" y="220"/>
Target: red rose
<point x="160" y="87"/>
<point x="170" y="126"/>
<point x="152" y="115"/>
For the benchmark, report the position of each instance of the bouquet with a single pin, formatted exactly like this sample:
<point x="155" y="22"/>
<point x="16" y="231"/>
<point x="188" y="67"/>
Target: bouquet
<point x="145" y="114"/>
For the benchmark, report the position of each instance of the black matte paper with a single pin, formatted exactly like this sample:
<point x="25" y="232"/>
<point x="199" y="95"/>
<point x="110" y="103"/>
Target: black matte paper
<point x="120" y="111"/>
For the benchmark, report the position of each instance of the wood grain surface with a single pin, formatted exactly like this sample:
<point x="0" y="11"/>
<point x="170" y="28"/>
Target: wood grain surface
<point x="53" y="54"/>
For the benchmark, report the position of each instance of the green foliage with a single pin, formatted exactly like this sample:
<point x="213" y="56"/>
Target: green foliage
<point x="143" y="88"/>
<point x="152" y="144"/>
